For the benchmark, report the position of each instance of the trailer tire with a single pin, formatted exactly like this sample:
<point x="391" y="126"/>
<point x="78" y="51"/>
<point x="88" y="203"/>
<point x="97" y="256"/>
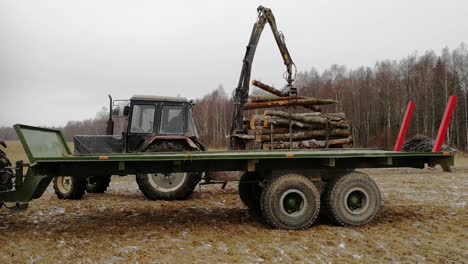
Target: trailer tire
<point x="353" y="199"/>
<point x="98" y="184"/>
<point x="250" y="191"/>
<point x="70" y="188"/>
<point x="156" y="188"/>
<point x="290" y="201"/>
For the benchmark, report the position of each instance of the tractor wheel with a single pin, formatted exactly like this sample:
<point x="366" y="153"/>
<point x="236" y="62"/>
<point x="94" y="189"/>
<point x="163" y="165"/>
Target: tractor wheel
<point x="290" y="201"/>
<point x="70" y="188"/>
<point x="168" y="186"/>
<point x="250" y="192"/>
<point x="98" y="184"/>
<point x="6" y="173"/>
<point x="353" y="199"/>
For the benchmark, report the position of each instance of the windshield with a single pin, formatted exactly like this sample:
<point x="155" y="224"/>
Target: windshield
<point x="172" y="120"/>
<point x="142" y="119"/>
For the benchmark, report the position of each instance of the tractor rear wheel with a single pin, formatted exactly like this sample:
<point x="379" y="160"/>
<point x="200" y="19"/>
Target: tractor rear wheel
<point x="70" y="188"/>
<point x="168" y="186"/>
<point x="353" y="199"/>
<point x="98" y="184"/>
<point x="249" y="191"/>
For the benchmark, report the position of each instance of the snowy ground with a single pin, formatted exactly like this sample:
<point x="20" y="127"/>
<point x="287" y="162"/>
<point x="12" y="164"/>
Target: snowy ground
<point x="425" y="219"/>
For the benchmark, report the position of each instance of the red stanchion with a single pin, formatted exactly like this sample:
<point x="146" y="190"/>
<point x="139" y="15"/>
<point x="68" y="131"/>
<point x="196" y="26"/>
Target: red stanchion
<point x="404" y="126"/>
<point x="444" y="124"/>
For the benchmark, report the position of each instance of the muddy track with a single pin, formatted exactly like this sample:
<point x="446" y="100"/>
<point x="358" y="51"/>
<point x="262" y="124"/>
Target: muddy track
<point x="423" y="219"/>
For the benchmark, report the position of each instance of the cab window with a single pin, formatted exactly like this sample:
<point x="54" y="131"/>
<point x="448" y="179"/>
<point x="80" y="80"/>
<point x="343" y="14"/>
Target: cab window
<point x="192" y="128"/>
<point x="142" y="119"/>
<point x="172" y="120"/>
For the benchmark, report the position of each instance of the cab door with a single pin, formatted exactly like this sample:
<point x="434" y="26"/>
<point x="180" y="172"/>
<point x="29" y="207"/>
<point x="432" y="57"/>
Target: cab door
<point x="142" y="125"/>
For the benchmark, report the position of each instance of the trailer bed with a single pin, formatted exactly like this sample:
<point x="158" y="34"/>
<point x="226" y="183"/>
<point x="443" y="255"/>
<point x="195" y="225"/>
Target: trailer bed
<point x="50" y="156"/>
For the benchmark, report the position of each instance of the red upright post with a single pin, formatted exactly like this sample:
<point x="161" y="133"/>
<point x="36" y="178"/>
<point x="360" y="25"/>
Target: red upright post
<point x="404" y="126"/>
<point x="444" y="124"/>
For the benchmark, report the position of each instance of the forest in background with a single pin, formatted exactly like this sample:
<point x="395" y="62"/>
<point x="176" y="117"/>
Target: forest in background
<point x="373" y="98"/>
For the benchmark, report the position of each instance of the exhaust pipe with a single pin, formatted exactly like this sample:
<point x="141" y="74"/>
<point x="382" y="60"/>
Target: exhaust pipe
<point x="110" y="121"/>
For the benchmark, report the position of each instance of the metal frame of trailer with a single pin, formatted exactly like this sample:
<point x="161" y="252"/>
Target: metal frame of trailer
<point x="50" y="156"/>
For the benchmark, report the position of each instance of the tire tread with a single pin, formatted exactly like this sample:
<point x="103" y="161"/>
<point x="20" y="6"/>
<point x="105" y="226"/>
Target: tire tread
<point x="269" y="192"/>
<point x="77" y="192"/>
<point x="331" y="193"/>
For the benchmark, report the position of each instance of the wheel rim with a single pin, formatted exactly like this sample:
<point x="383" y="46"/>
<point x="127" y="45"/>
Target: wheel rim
<point x="356" y="200"/>
<point x="64" y="184"/>
<point x="293" y="203"/>
<point x="167" y="182"/>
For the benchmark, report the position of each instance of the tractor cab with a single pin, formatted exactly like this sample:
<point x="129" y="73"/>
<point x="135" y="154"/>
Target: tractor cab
<point x="145" y="123"/>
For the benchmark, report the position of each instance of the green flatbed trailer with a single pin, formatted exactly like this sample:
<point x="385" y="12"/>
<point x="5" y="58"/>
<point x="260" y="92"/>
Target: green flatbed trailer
<point x="286" y="186"/>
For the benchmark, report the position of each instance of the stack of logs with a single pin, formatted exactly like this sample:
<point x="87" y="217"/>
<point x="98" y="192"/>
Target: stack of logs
<point x="283" y="130"/>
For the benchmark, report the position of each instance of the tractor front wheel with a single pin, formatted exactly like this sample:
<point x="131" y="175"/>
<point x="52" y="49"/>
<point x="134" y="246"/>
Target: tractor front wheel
<point x="70" y="188"/>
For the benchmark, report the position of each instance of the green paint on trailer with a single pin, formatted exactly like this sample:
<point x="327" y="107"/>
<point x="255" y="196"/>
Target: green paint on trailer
<point x="50" y="156"/>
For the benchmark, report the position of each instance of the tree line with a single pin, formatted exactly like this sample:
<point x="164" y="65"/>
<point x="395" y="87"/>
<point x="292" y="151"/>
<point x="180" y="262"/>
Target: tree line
<point x="374" y="99"/>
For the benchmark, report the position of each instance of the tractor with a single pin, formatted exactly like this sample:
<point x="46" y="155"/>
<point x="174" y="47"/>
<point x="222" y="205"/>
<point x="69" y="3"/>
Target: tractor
<point x="146" y="124"/>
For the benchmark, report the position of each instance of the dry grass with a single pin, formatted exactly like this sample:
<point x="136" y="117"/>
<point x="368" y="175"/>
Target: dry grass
<point x="424" y="220"/>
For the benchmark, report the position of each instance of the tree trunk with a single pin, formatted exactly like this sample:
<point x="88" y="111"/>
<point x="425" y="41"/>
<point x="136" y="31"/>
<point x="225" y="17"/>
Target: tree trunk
<point x="303" y="135"/>
<point x="341" y="142"/>
<point x="280" y="103"/>
<point x="333" y="121"/>
<point x="278" y="93"/>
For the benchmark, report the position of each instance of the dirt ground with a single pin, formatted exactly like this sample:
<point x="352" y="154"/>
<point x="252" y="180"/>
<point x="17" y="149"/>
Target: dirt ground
<point x="424" y="219"/>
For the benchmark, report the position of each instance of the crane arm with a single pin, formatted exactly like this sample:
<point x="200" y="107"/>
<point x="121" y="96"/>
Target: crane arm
<point x="242" y="91"/>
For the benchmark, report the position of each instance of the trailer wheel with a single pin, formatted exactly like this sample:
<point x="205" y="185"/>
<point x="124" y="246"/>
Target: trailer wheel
<point x="290" y="202"/>
<point x="98" y="184"/>
<point x="353" y="199"/>
<point x="171" y="186"/>
<point x="250" y="192"/>
<point x="70" y="188"/>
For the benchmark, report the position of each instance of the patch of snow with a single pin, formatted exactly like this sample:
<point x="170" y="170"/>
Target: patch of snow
<point x="57" y="210"/>
<point x="128" y="249"/>
<point x="206" y="245"/>
<point x="460" y="204"/>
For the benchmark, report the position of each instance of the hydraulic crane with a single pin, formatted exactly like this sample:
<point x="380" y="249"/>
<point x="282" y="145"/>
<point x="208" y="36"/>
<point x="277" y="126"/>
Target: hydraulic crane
<point x="265" y="15"/>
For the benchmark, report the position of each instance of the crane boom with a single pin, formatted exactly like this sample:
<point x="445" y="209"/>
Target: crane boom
<point x="242" y="91"/>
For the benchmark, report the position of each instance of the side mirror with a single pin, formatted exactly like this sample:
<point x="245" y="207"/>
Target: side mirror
<point x="126" y="110"/>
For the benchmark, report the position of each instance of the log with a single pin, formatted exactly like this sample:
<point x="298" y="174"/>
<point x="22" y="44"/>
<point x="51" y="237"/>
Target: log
<point x="307" y="135"/>
<point x="333" y="121"/>
<point x="310" y="144"/>
<point x="280" y="103"/>
<point x="269" y="89"/>
<point x="278" y="130"/>
<point x="266" y="121"/>
<point x="279" y="93"/>
<point x="243" y="136"/>
<point x="257" y="98"/>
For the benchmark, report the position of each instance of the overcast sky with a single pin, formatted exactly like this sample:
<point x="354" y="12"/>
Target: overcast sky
<point x="59" y="59"/>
